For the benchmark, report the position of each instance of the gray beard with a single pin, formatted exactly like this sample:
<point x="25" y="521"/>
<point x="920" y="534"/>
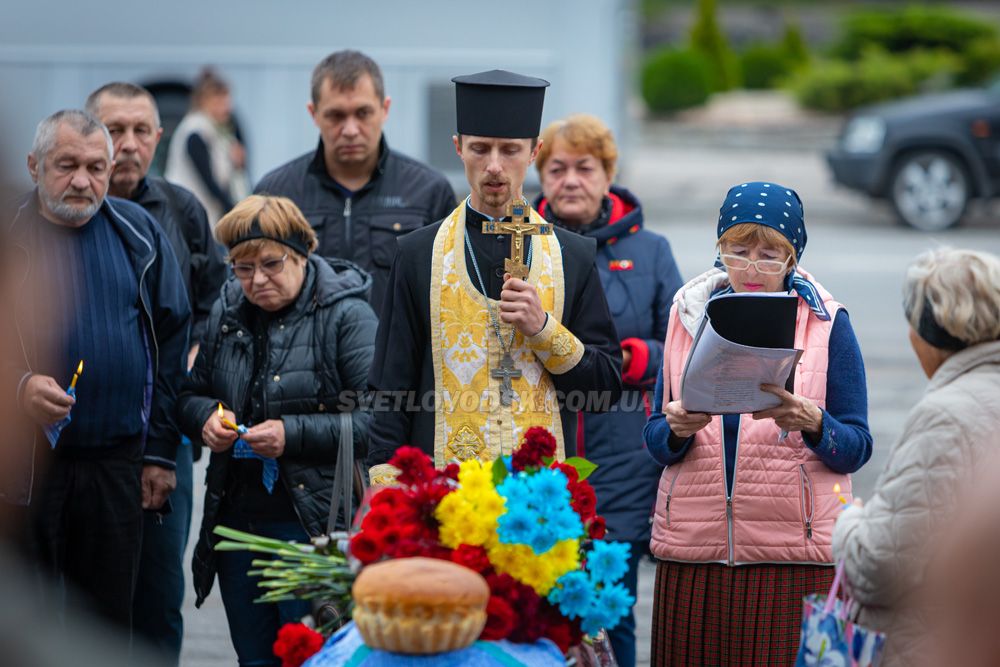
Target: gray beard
<point x="67" y="212"/>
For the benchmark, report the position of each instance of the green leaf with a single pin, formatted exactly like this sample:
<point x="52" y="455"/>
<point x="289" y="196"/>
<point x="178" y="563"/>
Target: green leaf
<point x="499" y="471"/>
<point x="584" y="468"/>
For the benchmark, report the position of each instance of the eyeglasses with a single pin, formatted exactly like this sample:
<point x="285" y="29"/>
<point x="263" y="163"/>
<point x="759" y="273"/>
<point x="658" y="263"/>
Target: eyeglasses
<point x="766" y="266"/>
<point x="269" y="267"/>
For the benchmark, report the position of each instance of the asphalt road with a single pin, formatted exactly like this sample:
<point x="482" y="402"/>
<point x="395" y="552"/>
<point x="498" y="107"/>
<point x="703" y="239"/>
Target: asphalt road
<point x="855" y="249"/>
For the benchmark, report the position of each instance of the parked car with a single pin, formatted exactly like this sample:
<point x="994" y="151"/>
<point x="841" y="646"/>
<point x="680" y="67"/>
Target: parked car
<point x="928" y="155"/>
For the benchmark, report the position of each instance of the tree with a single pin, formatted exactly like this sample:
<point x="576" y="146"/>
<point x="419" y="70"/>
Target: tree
<point x="708" y="39"/>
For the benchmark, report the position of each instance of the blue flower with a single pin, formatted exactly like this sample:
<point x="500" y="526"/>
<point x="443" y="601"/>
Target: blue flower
<point x="573" y="594"/>
<point x="592" y="625"/>
<point x="517" y="525"/>
<point x="549" y="488"/>
<point x="563" y="522"/>
<point x="608" y="561"/>
<point x="543" y="540"/>
<point x="515" y="489"/>
<point x="614" y="602"/>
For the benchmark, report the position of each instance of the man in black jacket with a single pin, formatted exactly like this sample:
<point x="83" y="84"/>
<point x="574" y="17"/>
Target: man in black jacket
<point x="104" y="287"/>
<point x="132" y="118"/>
<point x="356" y="193"/>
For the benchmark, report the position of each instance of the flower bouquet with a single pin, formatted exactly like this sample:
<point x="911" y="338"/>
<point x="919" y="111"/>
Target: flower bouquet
<point x="526" y="522"/>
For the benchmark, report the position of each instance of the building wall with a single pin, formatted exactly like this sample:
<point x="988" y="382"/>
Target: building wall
<point x="52" y="54"/>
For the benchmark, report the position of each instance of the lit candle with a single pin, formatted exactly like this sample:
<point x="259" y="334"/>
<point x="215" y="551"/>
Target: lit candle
<point x="840" y="497"/>
<point x="76" y="375"/>
<point x="225" y="422"/>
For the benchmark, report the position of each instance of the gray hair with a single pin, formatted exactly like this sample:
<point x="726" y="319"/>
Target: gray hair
<point x="79" y="120"/>
<point x="343" y="69"/>
<point x="962" y="289"/>
<point x="123" y="90"/>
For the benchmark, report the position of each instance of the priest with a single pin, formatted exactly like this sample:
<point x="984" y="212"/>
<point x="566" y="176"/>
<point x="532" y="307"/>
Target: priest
<point x="493" y="321"/>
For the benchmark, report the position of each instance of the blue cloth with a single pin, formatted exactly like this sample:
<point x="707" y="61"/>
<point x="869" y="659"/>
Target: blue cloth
<point x="253" y="627"/>
<point x="767" y="204"/>
<point x="345" y="648"/>
<point x="52" y="431"/>
<point x="97" y="319"/>
<point x="159" y="590"/>
<point x="242" y="450"/>
<point x="846" y="442"/>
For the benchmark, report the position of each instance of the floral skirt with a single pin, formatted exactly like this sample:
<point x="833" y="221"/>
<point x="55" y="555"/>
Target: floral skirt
<point x="711" y="614"/>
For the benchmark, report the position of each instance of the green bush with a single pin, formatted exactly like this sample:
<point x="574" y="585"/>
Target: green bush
<point x="915" y="27"/>
<point x="794" y="45"/>
<point x="674" y="80"/>
<point x="980" y="62"/>
<point x="764" y="66"/>
<point x="708" y="39"/>
<point x="875" y="77"/>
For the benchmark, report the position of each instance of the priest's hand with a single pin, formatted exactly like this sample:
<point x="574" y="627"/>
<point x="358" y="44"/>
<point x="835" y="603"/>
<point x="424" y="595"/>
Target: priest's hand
<point x="157" y="484"/>
<point x="267" y="438"/>
<point x="684" y="424"/>
<point x="796" y="413"/>
<point x="44" y="401"/>
<point x="217" y="437"/>
<point x="520" y="306"/>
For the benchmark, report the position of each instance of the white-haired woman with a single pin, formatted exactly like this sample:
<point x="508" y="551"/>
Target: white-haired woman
<point x="952" y="303"/>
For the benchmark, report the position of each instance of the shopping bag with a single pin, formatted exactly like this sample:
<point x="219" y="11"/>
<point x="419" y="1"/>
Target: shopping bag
<point x="830" y="638"/>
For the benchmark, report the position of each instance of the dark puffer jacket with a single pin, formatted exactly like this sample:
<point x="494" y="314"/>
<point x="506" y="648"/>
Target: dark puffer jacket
<point x="639" y="276"/>
<point x="317" y="362"/>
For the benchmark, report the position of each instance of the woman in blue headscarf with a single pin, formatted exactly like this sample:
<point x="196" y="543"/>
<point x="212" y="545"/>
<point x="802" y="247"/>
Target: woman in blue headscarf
<point x="747" y="503"/>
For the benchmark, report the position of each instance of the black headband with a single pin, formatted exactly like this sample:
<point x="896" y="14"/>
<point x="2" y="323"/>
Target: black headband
<point x="296" y="242"/>
<point x="934" y="333"/>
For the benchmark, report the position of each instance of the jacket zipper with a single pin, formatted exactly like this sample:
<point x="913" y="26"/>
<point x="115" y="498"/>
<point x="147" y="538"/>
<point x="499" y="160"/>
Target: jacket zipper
<point x="725" y="487"/>
<point x="807" y="513"/>
<point x="670" y="494"/>
<point x="348" y="232"/>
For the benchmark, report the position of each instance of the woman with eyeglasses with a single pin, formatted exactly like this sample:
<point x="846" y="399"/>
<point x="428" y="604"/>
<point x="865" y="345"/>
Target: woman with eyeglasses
<point x="747" y="503"/>
<point x="290" y="338"/>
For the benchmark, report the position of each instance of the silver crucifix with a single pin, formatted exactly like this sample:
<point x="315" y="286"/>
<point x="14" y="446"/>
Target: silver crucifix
<point x="506" y="372"/>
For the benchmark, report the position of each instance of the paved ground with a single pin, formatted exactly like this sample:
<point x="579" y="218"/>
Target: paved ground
<point x="855" y="249"/>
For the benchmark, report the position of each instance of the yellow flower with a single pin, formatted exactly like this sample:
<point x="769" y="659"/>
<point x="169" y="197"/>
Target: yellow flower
<point x="539" y="572"/>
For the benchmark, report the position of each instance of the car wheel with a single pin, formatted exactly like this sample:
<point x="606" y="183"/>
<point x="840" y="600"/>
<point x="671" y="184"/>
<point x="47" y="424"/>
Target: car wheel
<point x="930" y="190"/>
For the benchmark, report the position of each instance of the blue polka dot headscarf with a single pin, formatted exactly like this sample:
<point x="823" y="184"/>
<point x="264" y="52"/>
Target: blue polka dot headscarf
<point x="767" y="204"/>
<point x="779" y="208"/>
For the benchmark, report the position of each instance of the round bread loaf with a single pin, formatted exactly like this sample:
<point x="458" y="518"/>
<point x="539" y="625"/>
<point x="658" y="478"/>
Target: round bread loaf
<point x="419" y="605"/>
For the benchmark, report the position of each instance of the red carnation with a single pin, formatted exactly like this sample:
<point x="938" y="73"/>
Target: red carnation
<point x="500" y="619"/>
<point x="597" y="528"/>
<point x="560" y="635"/>
<point x="541" y="439"/>
<point x="367" y="546"/>
<point x="474" y="558"/>
<point x="451" y="471"/>
<point x="572" y="474"/>
<point x="414" y="466"/>
<point x="584" y="499"/>
<point x="378" y="518"/>
<point x="296" y="643"/>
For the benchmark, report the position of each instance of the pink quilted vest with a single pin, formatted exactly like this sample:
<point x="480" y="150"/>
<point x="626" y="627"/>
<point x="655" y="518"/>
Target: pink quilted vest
<point x="783" y="505"/>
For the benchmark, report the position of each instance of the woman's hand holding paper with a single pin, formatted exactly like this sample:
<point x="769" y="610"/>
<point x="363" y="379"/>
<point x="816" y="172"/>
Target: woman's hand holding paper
<point x="795" y="413"/>
<point x="684" y="424"/>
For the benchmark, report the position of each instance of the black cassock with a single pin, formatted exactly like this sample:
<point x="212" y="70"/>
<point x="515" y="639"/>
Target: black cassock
<point x="403" y="361"/>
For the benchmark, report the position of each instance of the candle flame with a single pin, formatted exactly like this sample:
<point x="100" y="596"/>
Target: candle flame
<point x="221" y="413"/>
<point x="836" y="487"/>
<point x="79" y="368"/>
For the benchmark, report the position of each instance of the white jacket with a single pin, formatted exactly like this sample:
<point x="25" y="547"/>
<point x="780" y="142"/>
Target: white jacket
<point x="885" y="546"/>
